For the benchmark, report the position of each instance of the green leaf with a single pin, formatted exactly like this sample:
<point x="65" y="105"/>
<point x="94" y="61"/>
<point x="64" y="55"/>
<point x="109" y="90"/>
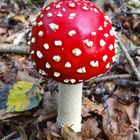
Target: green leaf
<point x="23" y="96"/>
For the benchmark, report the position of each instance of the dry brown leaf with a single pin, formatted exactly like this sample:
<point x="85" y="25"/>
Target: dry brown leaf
<point x="49" y="110"/>
<point x="69" y="134"/>
<point x="52" y="132"/>
<point x="50" y="101"/>
<point x="3" y="13"/>
<point x="23" y="75"/>
<point x="89" y="106"/>
<point x="4" y="115"/>
<point x="9" y="77"/>
<point x="90" y="129"/>
<point x="22" y="59"/>
<point x="22" y="133"/>
<point x="121" y="122"/>
<point x="109" y="86"/>
<point x="3" y="67"/>
<point x="11" y="38"/>
<point x="2" y="31"/>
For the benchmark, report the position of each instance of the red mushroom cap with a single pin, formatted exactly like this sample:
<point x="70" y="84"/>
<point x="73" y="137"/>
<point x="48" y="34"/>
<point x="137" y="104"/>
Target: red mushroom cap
<point x="72" y="41"/>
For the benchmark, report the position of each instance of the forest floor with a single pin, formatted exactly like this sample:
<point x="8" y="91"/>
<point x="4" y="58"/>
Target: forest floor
<point x="28" y="102"/>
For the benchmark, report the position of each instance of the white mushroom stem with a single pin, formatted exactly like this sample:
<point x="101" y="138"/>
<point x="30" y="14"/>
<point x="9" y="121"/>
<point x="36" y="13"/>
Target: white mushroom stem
<point x="70" y="105"/>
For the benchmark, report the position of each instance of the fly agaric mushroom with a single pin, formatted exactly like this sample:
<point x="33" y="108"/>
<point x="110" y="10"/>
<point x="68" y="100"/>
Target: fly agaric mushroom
<point x="71" y="42"/>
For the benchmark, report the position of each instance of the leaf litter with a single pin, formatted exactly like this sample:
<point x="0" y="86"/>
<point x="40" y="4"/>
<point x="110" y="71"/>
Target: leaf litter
<point x="110" y="107"/>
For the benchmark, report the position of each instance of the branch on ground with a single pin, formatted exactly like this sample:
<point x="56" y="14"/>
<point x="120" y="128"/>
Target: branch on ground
<point x="110" y="78"/>
<point x="129" y="59"/>
<point x="17" y="49"/>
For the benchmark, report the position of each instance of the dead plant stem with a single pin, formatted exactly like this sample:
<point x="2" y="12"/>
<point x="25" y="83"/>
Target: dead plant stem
<point x="129" y="59"/>
<point x="110" y="78"/>
<point x="17" y="49"/>
<point x="9" y="136"/>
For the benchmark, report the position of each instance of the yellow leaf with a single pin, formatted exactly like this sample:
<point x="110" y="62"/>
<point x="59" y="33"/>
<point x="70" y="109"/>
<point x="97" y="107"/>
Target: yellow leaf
<point x="20" y="18"/>
<point x="23" y="96"/>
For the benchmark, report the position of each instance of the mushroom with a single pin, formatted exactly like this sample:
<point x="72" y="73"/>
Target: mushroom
<point x="72" y="42"/>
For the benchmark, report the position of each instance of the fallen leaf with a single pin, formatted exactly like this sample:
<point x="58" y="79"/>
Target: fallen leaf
<point x="11" y="38"/>
<point x="89" y="106"/>
<point x="50" y="105"/>
<point x="23" y="75"/>
<point x="90" y="129"/>
<point x="109" y="86"/>
<point x="4" y="91"/>
<point x="52" y="132"/>
<point x="23" y="96"/>
<point x="2" y="31"/>
<point x="19" y="18"/>
<point x="22" y="133"/>
<point x="118" y="125"/>
<point x="69" y="134"/>
<point x="7" y="115"/>
<point x="3" y="13"/>
<point x="134" y="3"/>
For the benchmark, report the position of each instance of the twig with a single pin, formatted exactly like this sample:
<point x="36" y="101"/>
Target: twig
<point x="106" y="107"/>
<point x="9" y="136"/>
<point x="10" y="48"/>
<point x="130" y="60"/>
<point x="110" y="78"/>
<point x="138" y="111"/>
<point x="135" y="71"/>
<point x="127" y="83"/>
